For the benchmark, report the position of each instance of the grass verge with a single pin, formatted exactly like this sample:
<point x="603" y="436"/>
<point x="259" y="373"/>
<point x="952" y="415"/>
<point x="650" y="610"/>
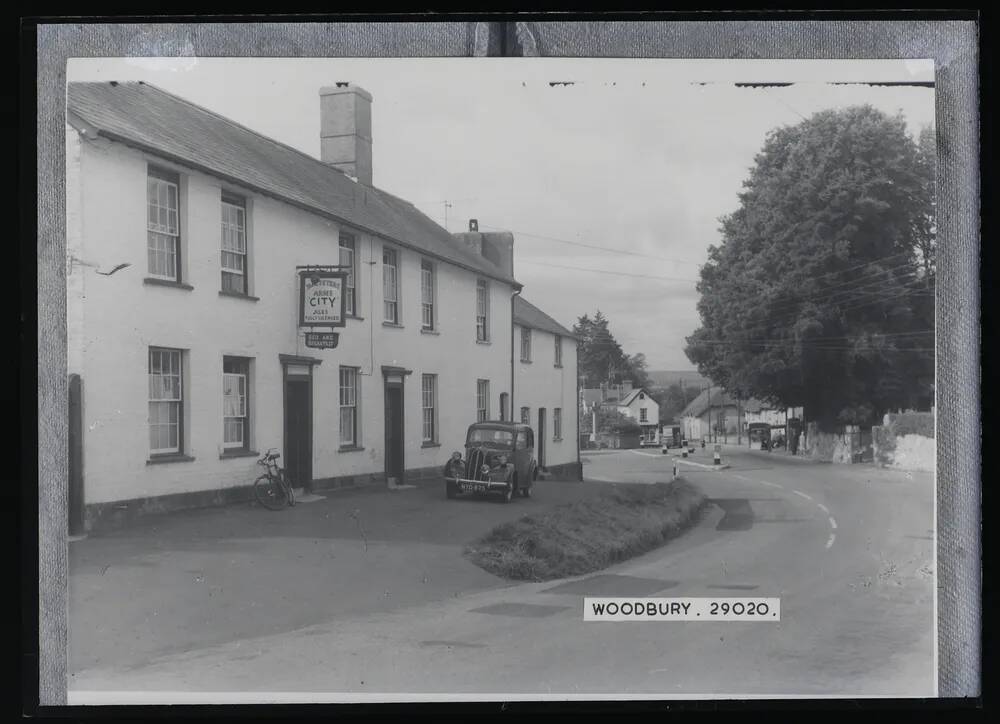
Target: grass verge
<point x="624" y="521"/>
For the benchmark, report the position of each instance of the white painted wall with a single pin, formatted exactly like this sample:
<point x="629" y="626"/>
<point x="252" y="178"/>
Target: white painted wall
<point x="115" y="319"/>
<point x="540" y="383"/>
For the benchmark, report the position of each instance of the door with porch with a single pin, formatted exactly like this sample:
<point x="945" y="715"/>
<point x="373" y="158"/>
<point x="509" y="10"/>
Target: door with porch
<point x="540" y="441"/>
<point x="395" y="463"/>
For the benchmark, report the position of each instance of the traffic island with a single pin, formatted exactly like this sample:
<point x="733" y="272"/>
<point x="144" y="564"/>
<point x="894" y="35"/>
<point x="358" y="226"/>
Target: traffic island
<point x="624" y="521"/>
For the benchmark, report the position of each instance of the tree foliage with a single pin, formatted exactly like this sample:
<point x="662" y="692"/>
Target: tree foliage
<point x="673" y="399"/>
<point x="821" y="292"/>
<point x="601" y="359"/>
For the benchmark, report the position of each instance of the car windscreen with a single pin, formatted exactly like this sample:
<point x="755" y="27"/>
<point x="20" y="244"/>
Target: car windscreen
<point x="497" y="437"/>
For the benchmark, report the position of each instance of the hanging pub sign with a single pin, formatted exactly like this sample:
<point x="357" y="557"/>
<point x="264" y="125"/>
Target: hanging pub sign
<point x="321" y="298"/>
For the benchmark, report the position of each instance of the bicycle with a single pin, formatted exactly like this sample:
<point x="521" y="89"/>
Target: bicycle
<point x="272" y="489"/>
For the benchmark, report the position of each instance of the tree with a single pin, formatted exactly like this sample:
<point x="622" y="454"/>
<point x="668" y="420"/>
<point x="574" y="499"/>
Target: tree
<point x="821" y="292"/>
<point x="673" y="399"/>
<point x="601" y="358"/>
<point x="610" y="420"/>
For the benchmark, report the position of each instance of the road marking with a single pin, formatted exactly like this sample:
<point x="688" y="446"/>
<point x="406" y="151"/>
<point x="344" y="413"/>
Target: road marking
<point x="829" y="543"/>
<point x="801" y="494"/>
<point x="742" y="477"/>
<point x="823" y="508"/>
<point x="770" y="485"/>
<point x="648" y="455"/>
<point x="833" y="523"/>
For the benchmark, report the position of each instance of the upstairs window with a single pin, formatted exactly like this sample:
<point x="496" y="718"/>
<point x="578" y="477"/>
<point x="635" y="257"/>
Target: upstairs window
<point x="426" y="295"/>
<point x="643" y="415"/>
<point x="348" y="253"/>
<point x="390" y="285"/>
<point x="525" y="344"/>
<point x="558" y="362"/>
<point x="163" y="223"/>
<point x="234" y="244"/>
<point x="482" y="310"/>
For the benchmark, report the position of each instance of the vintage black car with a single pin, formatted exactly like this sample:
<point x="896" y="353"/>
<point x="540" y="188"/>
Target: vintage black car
<point x="499" y="458"/>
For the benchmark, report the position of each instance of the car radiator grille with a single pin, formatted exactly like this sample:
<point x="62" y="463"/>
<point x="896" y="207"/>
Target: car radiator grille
<point x="476" y="460"/>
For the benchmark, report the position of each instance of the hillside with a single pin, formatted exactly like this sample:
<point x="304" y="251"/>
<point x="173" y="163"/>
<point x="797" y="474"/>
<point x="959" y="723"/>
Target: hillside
<point x="665" y="378"/>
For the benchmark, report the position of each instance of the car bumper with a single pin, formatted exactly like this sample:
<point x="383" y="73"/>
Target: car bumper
<point x="479" y="486"/>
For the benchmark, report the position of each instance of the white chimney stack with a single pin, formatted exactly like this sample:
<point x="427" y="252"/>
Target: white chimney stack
<point x="346" y="130"/>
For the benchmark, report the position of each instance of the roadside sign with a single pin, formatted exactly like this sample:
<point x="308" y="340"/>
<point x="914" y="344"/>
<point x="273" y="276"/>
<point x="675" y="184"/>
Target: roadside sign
<point x="322" y="340"/>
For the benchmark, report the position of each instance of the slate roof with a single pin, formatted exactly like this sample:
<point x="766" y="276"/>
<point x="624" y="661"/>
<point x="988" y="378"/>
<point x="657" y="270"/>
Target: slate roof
<point x="527" y="314"/>
<point x="146" y="117"/>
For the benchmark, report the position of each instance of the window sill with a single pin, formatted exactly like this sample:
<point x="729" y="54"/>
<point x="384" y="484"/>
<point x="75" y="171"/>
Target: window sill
<point x="483" y="341"/>
<point x="169" y="458"/>
<point x="558" y="366"/>
<point x="349" y="448"/>
<point x="238" y="295"/>
<point x="394" y="325"/>
<point x="153" y="281"/>
<point x="557" y="439"/>
<point x="431" y="444"/>
<point x="354" y="316"/>
<point x="526" y="361"/>
<point x="238" y="454"/>
<point x="424" y="330"/>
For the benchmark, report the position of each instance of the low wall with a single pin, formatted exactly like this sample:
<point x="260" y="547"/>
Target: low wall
<point x="906" y="442"/>
<point x="831" y="447"/>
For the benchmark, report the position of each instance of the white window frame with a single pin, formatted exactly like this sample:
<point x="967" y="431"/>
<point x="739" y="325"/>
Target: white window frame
<point x="239" y="205"/>
<point x="156" y="397"/>
<point x="242" y="380"/>
<point x="482" y="400"/>
<point x="558" y="344"/>
<point x="167" y="227"/>
<point x="428" y="292"/>
<point x="643" y="415"/>
<point x="348" y="245"/>
<point x="526" y="344"/>
<point x="348" y="402"/>
<point x="390" y="285"/>
<point x="482" y="310"/>
<point x="428" y="404"/>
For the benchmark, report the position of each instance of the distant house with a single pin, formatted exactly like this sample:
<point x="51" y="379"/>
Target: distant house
<point x="635" y="403"/>
<point x="713" y="412"/>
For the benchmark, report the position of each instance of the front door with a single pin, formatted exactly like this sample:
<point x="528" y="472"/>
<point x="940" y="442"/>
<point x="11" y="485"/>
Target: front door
<point x="540" y="442"/>
<point x="76" y="505"/>
<point x="298" y="427"/>
<point x="394" y="464"/>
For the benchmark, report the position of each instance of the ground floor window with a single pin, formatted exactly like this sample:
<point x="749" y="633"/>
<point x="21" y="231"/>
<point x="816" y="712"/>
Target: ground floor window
<point x="428" y="395"/>
<point x="557" y="423"/>
<point x="348" y="406"/>
<point x="482" y="400"/>
<point x="236" y="403"/>
<point x="166" y="401"/>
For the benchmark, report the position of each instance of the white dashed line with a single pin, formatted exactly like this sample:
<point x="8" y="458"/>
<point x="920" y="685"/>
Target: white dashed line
<point x="801" y="494"/>
<point x="742" y="477"/>
<point x="770" y="485"/>
<point x="833" y="523"/>
<point x="829" y="542"/>
<point x="823" y="508"/>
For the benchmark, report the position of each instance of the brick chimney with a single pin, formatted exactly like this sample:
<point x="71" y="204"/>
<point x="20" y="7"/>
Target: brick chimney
<point x="346" y="130"/>
<point x="626" y="386"/>
<point x="497" y="247"/>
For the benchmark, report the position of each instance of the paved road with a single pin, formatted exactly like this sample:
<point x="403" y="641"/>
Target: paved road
<point x="847" y="549"/>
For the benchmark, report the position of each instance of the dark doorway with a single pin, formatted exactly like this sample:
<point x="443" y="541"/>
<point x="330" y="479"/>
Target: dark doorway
<point x="76" y="504"/>
<point x="394" y="429"/>
<point x="540" y="441"/>
<point x="298" y="427"/>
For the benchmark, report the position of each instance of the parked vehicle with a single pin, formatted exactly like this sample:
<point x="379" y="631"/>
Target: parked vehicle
<point x="499" y="458"/>
<point x="272" y="489"/>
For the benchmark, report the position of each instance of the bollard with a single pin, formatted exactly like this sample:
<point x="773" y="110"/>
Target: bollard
<point x="684" y="453"/>
<point x="717" y="455"/>
<point x="664" y="448"/>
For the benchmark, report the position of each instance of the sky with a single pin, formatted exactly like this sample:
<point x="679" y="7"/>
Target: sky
<point x="638" y="156"/>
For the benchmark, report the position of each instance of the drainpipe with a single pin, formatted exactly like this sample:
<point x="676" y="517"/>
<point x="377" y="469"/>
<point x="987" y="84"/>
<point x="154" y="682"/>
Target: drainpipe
<point x="512" y="368"/>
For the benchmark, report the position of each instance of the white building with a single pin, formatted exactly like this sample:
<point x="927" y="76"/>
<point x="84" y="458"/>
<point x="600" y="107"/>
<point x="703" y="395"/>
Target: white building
<point x="546" y="389"/>
<point x="635" y="403"/>
<point x="185" y="232"/>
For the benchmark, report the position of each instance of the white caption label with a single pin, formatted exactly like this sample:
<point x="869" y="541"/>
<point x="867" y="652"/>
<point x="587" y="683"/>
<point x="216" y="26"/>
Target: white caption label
<point x="681" y="609"/>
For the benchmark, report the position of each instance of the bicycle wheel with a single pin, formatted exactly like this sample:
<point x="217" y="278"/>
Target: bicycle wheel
<point x="270" y="493"/>
<point x="288" y="489"/>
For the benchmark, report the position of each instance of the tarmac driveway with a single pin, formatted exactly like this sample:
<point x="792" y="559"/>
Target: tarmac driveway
<point x="197" y="578"/>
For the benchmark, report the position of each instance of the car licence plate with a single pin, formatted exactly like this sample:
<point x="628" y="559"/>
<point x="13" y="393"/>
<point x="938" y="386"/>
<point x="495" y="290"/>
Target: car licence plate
<point x="473" y="487"/>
